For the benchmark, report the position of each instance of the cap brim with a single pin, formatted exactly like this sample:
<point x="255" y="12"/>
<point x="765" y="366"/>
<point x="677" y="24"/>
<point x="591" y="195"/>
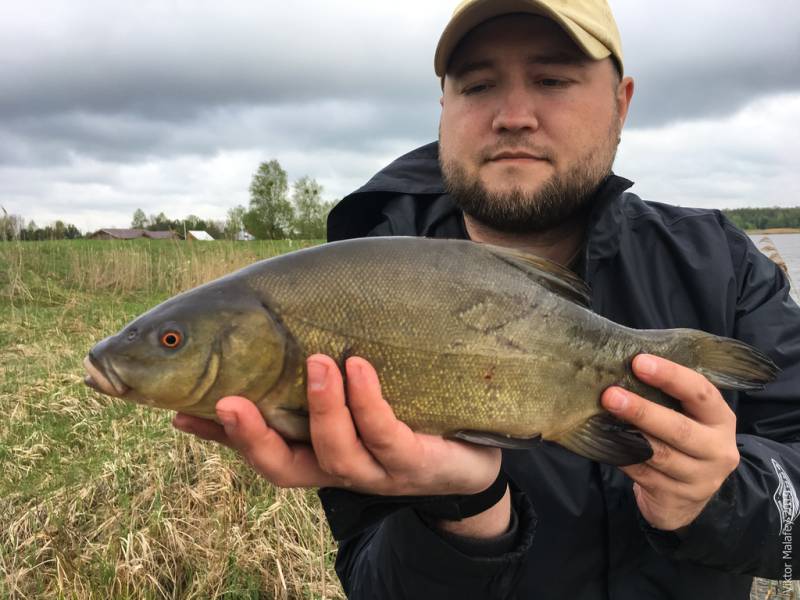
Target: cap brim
<point x="482" y="11"/>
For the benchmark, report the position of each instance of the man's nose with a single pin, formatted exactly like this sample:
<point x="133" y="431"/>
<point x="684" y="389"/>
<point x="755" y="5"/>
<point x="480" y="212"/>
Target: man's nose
<point x="515" y="111"/>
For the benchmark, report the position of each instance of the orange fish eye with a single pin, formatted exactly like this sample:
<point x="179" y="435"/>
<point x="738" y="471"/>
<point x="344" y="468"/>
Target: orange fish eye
<point x="171" y="339"/>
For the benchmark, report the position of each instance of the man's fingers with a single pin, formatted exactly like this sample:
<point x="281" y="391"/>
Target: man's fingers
<point x="674" y="463"/>
<point x="658" y="484"/>
<point x="661" y="422"/>
<point x="697" y="395"/>
<point x="266" y="450"/>
<point x="333" y="434"/>
<point x="389" y="439"/>
<point x="202" y="428"/>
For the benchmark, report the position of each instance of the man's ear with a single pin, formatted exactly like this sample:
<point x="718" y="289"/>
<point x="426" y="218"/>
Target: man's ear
<point x="624" y="95"/>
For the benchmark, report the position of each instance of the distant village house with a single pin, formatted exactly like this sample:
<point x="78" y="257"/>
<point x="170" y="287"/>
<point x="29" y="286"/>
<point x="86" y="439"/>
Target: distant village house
<point x="200" y="236"/>
<point x="132" y="234"/>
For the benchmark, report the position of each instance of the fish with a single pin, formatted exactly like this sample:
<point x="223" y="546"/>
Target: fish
<point x="470" y="341"/>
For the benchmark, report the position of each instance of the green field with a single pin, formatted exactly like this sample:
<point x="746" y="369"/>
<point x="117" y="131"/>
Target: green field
<point x="102" y="499"/>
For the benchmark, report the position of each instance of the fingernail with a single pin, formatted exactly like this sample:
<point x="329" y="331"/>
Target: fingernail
<point x="616" y="401"/>
<point x="317" y="373"/>
<point x="227" y="419"/>
<point x="354" y="369"/>
<point x="646" y="365"/>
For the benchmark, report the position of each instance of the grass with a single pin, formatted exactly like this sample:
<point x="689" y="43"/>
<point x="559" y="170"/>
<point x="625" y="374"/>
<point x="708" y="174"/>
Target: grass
<point x="102" y="499"/>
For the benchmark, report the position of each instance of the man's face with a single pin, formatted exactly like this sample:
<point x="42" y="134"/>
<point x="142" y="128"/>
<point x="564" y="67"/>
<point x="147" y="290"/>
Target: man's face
<point x="529" y="125"/>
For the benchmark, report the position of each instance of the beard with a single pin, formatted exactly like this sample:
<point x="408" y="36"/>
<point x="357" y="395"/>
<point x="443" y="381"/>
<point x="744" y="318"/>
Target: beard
<point x="560" y="198"/>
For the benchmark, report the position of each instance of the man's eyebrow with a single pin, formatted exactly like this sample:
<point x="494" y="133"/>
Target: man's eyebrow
<point x="558" y="58"/>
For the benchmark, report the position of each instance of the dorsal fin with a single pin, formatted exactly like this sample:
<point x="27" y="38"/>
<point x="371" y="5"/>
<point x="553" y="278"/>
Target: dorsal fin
<point x="547" y="273"/>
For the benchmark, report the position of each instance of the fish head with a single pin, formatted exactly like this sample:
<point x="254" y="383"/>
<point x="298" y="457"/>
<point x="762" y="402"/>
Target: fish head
<point x="192" y="350"/>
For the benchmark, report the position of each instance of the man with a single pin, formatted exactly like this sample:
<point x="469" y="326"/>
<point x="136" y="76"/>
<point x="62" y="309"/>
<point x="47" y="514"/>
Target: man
<point x="534" y="99"/>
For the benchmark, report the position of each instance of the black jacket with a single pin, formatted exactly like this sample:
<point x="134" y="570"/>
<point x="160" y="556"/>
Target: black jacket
<point x="579" y="532"/>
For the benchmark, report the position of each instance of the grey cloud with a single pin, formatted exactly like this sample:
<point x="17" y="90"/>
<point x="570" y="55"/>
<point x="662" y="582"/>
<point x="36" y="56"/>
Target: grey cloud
<point x="695" y="59"/>
<point x="356" y="126"/>
<point x="165" y="61"/>
<point x="332" y="89"/>
<point x="174" y="62"/>
<point x="747" y="159"/>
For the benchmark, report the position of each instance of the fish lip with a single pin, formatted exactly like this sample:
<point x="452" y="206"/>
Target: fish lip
<point x="103" y="378"/>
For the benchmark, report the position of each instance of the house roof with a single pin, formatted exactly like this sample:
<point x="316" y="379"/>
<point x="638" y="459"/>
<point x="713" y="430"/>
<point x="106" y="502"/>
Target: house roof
<point x="132" y="234"/>
<point x="122" y="234"/>
<point x="202" y="236"/>
<point x="161" y="235"/>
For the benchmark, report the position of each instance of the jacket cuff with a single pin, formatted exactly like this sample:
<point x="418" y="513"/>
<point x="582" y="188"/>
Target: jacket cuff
<point x="435" y="555"/>
<point x="501" y="544"/>
<point x="702" y="536"/>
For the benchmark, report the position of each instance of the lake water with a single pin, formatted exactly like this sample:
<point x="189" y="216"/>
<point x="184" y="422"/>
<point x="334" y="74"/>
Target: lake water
<point x="788" y="246"/>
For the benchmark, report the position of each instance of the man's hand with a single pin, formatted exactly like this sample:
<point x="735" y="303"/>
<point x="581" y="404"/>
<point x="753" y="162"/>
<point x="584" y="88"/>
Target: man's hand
<point x="693" y="453"/>
<point x="357" y="441"/>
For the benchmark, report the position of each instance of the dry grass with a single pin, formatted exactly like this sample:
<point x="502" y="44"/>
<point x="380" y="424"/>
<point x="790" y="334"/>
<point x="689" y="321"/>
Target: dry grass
<point x="59" y="269"/>
<point x="100" y="499"/>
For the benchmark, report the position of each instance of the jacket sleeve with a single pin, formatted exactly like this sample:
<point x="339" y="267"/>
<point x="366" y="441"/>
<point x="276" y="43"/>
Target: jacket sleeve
<point x="404" y="558"/>
<point x="747" y="527"/>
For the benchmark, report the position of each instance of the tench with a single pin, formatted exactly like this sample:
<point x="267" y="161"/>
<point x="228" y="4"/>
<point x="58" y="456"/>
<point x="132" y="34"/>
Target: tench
<point x="470" y="341"/>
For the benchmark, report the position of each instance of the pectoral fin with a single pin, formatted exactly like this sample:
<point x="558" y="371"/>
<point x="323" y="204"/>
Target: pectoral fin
<point x="498" y="440"/>
<point x="608" y="440"/>
<point x="291" y="423"/>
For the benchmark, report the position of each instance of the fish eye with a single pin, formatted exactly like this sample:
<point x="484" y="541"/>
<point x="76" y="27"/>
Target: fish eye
<point x="171" y="339"/>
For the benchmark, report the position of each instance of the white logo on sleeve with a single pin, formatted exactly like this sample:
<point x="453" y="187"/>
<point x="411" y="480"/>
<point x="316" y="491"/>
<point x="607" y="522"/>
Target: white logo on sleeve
<point x="785" y="498"/>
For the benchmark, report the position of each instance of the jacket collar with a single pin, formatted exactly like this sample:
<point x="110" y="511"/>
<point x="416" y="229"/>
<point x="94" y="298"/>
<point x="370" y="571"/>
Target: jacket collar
<point x="606" y="218"/>
<point x="416" y="172"/>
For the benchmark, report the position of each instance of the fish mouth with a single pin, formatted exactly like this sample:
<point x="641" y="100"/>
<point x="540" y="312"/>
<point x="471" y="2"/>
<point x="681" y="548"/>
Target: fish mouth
<point x="103" y="379"/>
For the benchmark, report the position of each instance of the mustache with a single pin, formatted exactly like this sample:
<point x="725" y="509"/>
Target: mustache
<point x="516" y="143"/>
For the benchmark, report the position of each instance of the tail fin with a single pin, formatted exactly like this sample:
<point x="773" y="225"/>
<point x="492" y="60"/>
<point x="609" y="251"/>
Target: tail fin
<point x="729" y="364"/>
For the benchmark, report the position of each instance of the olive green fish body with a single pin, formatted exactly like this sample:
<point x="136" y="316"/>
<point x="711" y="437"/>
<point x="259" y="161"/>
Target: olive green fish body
<point x="469" y="340"/>
<point x="461" y="339"/>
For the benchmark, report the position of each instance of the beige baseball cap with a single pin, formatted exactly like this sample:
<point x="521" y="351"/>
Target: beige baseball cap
<point x="588" y="22"/>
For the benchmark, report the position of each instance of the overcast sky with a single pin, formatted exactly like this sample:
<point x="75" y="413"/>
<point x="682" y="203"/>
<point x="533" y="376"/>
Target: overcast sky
<point x="170" y="106"/>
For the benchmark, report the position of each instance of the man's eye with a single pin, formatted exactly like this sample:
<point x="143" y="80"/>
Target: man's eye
<point x="475" y="89"/>
<point x="553" y="83"/>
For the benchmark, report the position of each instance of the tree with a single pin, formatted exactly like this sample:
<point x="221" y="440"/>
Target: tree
<point x="160" y="222"/>
<point x="194" y="223"/>
<point x="234" y="224"/>
<point x="11" y="226"/>
<point x="270" y="215"/>
<point x="59" y="230"/>
<point x="764" y="218"/>
<point x="139" y="220"/>
<point x="71" y="232"/>
<point x="311" y="212"/>
<point x="215" y="229"/>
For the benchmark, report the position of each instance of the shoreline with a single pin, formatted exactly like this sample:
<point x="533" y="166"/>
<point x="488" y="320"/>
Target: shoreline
<point x="773" y="231"/>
